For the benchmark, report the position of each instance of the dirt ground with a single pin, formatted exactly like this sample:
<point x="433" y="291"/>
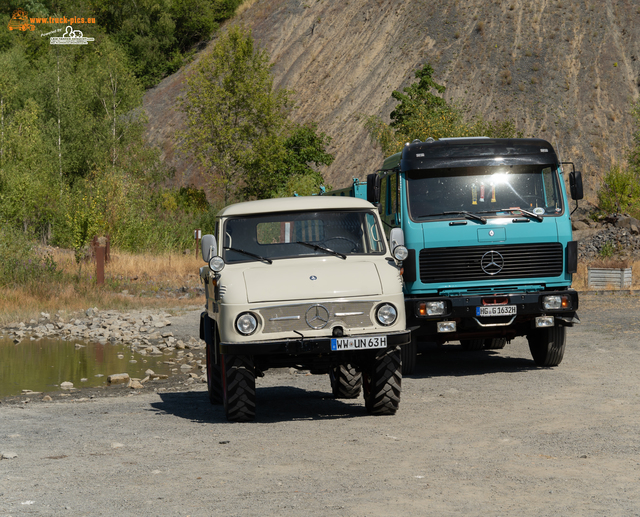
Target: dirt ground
<point x="477" y="433"/>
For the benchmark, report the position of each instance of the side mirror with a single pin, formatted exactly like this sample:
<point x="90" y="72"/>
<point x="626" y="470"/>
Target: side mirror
<point x="396" y="238"/>
<point x="373" y="188"/>
<point x="575" y="185"/>
<point x="209" y="247"/>
<point x="396" y="243"/>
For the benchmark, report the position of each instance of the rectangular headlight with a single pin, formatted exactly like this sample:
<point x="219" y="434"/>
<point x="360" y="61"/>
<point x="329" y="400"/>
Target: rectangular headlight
<point x="446" y="326"/>
<point x="545" y="321"/>
<point x="437" y="308"/>
<point x="556" y="302"/>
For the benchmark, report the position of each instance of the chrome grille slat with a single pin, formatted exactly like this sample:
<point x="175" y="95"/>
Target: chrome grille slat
<point x="463" y="263"/>
<point x="288" y="318"/>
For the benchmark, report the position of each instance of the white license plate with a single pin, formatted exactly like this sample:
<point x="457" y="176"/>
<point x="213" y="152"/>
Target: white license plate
<point x="497" y="310"/>
<point x="358" y="343"/>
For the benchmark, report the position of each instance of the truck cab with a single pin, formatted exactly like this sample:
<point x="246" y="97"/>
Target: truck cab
<point x="490" y="251"/>
<point x="304" y="282"/>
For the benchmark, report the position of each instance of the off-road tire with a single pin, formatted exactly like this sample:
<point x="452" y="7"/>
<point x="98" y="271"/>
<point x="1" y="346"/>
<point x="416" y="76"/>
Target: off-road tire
<point x="409" y="353"/>
<point x="496" y="343"/>
<point x="214" y="378"/>
<point x="238" y="387"/>
<point x="547" y="345"/>
<point x="346" y="382"/>
<point x="472" y="344"/>
<point x="382" y="383"/>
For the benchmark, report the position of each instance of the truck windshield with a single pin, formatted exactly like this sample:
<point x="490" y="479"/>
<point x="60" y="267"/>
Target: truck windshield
<point x="307" y="233"/>
<point x="483" y="190"/>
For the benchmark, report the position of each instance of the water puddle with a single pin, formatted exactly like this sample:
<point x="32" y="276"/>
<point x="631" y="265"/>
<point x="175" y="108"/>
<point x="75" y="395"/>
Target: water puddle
<point x="44" y="364"/>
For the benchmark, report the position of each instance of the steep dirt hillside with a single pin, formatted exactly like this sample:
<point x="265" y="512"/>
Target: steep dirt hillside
<point x="564" y="70"/>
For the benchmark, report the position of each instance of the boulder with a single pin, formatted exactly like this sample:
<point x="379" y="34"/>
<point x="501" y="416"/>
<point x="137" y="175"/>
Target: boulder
<point x="118" y="378"/>
<point x="627" y="222"/>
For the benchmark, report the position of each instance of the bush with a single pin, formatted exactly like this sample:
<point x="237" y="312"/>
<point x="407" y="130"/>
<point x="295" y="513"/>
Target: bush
<point x="21" y="262"/>
<point x="620" y="192"/>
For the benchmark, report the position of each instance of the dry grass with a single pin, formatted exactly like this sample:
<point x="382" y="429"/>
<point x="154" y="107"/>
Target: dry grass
<point x="580" y="278"/>
<point x="131" y="282"/>
<point x="170" y="268"/>
<point x="244" y="6"/>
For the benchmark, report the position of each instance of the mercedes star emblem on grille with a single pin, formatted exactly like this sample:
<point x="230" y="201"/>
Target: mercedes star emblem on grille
<point x="317" y="316"/>
<point x="492" y="262"/>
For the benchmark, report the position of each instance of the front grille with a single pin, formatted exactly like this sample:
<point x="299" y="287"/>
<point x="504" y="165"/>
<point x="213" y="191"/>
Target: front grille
<point x="465" y="263"/>
<point x="292" y="317"/>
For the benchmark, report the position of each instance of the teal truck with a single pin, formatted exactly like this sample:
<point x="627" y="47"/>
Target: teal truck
<point x="487" y="226"/>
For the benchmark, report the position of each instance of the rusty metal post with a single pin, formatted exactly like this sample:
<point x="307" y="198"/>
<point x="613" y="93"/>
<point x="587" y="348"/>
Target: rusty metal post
<point x="101" y="247"/>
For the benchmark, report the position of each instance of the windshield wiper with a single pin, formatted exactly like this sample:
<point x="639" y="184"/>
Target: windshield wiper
<point x="468" y="215"/>
<point x="268" y="261"/>
<point x="326" y="250"/>
<point x="524" y="212"/>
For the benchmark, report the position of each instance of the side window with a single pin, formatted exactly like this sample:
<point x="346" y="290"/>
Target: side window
<point x="551" y="194"/>
<point x="393" y="194"/>
<point x="376" y="242"/>
<point x="384" y="191"/>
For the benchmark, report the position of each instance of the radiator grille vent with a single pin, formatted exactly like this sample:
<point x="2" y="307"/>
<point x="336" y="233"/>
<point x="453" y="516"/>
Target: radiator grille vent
<point x="497" y="262"/>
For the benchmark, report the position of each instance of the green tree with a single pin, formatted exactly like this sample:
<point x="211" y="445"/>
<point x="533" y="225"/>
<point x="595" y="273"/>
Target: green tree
<point x="30" y="191"/>
<point x="421" y="114"/>
<point x="235" y="118"/>
<point x="8" y="94"/>
<point x="620" y="188"/>
<point x="418" y="102"/>
<point x="196" y="20"/>
<point x="146" y="31"/>
<point x="238" y="125"/>
<point x="620" y="192"/>
<point x="289" y="161"/>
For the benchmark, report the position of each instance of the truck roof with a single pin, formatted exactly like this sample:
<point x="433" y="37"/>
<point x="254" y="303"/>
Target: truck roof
<point x="288" y="204"/>
<point x="465" y="152"/>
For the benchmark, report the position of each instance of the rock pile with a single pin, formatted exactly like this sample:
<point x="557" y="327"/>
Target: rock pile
<point x="617" y="234"/>
<point x="143" y="329"/>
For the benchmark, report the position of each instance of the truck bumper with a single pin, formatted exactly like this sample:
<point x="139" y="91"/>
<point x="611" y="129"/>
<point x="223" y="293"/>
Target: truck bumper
<point x="302" y="346"/>
<point x="462" y="310"/>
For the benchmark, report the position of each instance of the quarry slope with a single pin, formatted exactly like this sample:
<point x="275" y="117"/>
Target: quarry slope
<point x="566" y="71"/>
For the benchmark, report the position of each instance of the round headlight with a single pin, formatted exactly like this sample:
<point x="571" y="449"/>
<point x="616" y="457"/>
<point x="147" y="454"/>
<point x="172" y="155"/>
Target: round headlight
<point x="386" y="314"/>
<point x="246" y="324"/>
<point x="400" y="253"/>
<point x="216" y="264"/>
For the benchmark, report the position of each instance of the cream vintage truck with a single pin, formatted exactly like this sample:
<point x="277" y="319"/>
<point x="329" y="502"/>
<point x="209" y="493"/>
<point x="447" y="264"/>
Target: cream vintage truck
<point x="304" y="282"/>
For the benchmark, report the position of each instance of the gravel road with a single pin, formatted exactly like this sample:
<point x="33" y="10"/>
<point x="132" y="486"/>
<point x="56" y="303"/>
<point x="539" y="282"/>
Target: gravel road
<point x="478" y="433"/>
